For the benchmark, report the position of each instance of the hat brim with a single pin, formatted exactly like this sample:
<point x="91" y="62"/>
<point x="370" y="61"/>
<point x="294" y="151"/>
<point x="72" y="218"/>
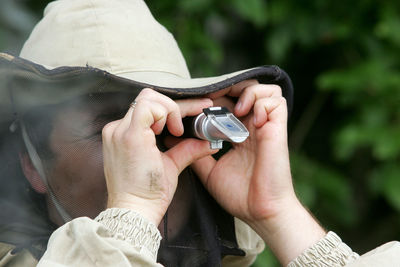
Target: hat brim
<point x="24" y="84"/>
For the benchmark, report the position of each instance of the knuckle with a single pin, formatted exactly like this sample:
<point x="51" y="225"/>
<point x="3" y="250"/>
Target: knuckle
<point x="282" y="100"/>
<point x="276" y="88"/>
<point x="107" y="129"/>
<point x="261" y="103"/>
<point x="249" y="91"/>
<point x="264" y="100"/>
<point x="264" y="90"/>
<point x="171" y="102"/>
<point x="142" y="103"/>
<point x="116" y="136"/>
<point x="176" y="108"/>
<point x="146" y="92"/>
<point x="172" y="107"/>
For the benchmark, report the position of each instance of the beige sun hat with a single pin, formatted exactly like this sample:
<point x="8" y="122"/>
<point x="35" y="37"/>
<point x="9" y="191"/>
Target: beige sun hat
<point x="91" y="46"/>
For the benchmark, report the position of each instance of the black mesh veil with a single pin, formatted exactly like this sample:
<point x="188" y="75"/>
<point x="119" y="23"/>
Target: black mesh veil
<point x="67" y="138"/>
<point x="64" y="134"/>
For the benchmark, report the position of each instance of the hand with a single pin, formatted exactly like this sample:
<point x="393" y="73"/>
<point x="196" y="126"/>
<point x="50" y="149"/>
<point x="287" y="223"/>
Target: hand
<point x="252" y="181"/>
<point x="138" y="175"/>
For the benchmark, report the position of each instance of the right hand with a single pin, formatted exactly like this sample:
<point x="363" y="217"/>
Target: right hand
<point x="252" y="181"/>
<point x="138" y="175"/>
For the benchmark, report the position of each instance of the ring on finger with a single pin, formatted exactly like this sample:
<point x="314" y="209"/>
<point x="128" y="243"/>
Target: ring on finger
<point x="133" y="105"/>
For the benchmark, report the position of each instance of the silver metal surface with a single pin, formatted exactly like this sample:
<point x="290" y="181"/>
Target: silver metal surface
<point x="219" y="126"/>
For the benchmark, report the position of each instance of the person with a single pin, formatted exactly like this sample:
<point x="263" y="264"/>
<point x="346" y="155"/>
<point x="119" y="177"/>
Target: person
<point x="96" y="157"/>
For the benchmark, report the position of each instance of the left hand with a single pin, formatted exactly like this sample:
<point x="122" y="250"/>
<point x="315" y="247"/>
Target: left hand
<point x="138" y="175"/>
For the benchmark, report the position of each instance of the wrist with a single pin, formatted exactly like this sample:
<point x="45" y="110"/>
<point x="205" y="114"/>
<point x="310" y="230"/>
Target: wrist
<point x="289" y="232"/>
<point x="279" y="215"/>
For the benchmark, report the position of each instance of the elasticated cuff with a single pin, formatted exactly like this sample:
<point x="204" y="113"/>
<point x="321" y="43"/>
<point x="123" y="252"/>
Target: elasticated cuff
<point x="329" y="251"/>
<point x="125" y="224"/>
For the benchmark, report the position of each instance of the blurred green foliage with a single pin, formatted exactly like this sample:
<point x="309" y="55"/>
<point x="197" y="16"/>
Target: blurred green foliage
<point x="344" y="60"/>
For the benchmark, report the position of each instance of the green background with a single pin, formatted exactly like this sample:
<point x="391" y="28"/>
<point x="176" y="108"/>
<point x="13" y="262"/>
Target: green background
<point x="343" y="58"/>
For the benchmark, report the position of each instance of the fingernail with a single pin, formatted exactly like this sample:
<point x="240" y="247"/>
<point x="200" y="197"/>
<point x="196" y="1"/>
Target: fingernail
<point x="255" y="120"/>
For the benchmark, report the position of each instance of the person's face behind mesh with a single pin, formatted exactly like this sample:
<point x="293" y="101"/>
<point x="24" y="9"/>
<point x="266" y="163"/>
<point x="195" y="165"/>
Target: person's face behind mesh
<point x="75" y="170"/>
<point x="75" y="173"/>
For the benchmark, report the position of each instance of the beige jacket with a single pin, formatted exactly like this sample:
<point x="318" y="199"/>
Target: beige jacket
<point x="117" y="237"/>
<point x="120" y="237"/>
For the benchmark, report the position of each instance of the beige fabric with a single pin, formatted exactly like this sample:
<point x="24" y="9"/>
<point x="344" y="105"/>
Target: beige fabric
<point x="173" y="81"/>
<point x="249" y="242"/>
<point x="329" y="251"/>
<point x="85" y="242"/>
<point x="120" y="36"/>
<point x="130" y="226"/>
<point x="387" y="255"/>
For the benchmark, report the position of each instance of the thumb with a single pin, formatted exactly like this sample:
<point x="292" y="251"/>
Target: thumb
<point x="188" y="151"/>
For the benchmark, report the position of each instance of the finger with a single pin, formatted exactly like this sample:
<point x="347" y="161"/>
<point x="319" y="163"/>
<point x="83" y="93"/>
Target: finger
<point x="187" y="151"/>
<point x="238" y="88"/>
<point x="252" y="93"/>
<point x="158" y="126"/>
<point x="126" y="120"/>
<point x="234" y="90"/>
<point x="156" y="111"/>
<point x="193" y="106"/>
<point x="145" y="115"/>
<point x="108" y="131"/>
<point x="174" y="119"/>
<point x="270" y="109"/>
<point x="203" y="167"/>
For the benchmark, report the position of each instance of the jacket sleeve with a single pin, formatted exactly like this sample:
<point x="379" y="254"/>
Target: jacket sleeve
<point x="331" y="251"/>
<point x="117" y="237"/>
<point x="387" y="255"/>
